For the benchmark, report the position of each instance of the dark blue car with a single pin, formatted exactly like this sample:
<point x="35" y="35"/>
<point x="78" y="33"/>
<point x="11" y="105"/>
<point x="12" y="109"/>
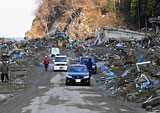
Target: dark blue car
<point x="78" y="74"/>
<point x="94" y="66"/>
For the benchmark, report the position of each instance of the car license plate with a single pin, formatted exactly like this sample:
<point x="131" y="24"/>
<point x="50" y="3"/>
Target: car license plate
<point x="61" y="67"/>
<point x="78" y="80"/>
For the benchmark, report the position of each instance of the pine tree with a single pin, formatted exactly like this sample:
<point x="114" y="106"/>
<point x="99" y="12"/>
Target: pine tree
<point x="109" y="7"/>
<point x="134" y="9"/>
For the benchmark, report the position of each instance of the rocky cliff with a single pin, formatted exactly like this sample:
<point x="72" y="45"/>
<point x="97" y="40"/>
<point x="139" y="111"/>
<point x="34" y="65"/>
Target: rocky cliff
<point x="82" y="17"/>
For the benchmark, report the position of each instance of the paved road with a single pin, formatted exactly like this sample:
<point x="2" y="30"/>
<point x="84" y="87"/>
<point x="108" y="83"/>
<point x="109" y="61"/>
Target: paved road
<point x="55" y="97"/>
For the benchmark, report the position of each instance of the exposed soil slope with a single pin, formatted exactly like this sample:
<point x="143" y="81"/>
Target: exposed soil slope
<point x="85" y="17"/>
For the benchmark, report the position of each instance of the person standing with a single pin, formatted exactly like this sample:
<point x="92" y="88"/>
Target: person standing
<point x="5" y="70"/>
<point x="85" y="62"/>
<point x="46" y="62"/>
<point x="89" y="66"/>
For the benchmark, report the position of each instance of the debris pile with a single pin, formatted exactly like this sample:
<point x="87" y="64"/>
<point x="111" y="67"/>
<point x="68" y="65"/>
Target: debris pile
<point x="132" y="70"/>
<point x="22" y="57"/>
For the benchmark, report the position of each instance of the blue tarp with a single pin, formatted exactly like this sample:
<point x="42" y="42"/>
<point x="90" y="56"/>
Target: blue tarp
<point x="92" y="44"/>
<point x="156" y="82"/>
<point x="18" y="56"/>
<point x="145" y="84"/>
<point x="110" y="74"/>
<point x="104" y="68"/>
<point x="92" y="49"/>
<point x="125" y="66"/>
<point x="5" y="46"/>
<point x="141" y="58"/>
<point x="70" y="45"/>
<point x="59" y="33"/>
<point x="41" y="64"/>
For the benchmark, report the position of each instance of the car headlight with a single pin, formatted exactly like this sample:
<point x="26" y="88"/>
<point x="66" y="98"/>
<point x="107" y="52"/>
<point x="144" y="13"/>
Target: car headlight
<point x="93" y="66"/>
<point x="68" y="76"/>
<point x="86" y="76"/>
<point x="57" y="67"/>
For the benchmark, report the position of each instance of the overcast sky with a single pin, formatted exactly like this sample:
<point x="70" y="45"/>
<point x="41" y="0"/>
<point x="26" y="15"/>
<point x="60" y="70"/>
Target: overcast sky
<point x="16" y="17"/>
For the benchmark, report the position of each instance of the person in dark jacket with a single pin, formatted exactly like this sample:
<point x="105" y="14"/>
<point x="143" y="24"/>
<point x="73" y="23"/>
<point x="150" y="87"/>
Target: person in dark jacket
<point x="5" y="70"/>
<point x="46" y="63"/>
<point x="85" y="62"/>
<point x="89" y="65"/>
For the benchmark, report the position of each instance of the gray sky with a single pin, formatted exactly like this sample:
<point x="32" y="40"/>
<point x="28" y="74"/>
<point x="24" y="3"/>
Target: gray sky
<point x="16" y="17"/>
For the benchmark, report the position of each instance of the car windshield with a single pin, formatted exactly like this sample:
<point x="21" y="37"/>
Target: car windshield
<point x="78" y="69"/>
<point x="83" y="59"/>
<point x="60" y="59"/>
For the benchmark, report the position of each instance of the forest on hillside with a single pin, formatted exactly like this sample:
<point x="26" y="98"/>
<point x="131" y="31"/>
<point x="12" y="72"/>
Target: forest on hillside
<point x="135" y="8"/>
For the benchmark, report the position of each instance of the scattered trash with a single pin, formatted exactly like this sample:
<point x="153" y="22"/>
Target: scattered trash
<point x="110" y="74"/>
<point x="151" y="102"/>
<point x="141" y="64"/>
<point x="104" y="68"/>
<point x="125" y="73"/>
<point x="18" y="81"/>
<point x="41" y="64"/>
<point x="3" y="97"/>
<point x="98" y="81"/>
<point x="103" y="79"/>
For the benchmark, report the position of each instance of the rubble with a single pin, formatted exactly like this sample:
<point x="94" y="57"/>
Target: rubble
<point x="131" y="71"/>
<point x="135" y="70"/>
<point x="21" y="57"/>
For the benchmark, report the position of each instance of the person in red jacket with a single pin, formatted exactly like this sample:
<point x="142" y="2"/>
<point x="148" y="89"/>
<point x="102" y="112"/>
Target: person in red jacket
<point x="46" y="62"/>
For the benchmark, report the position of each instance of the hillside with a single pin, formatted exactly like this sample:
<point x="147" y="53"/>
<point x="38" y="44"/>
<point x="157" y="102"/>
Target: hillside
<point x="85" y="17"/>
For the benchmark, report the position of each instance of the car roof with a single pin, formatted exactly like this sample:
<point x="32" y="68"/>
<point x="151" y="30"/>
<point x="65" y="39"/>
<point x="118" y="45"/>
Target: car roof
<point x="77" y="65"/>
<point x="61" y="56"/>
<point x="87" y="57"/>
<point x="55" y="48"/>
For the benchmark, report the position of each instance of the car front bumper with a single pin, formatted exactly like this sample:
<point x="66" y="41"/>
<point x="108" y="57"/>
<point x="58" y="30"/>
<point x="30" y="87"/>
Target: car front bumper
<point x="56" y="68"/>
<point x="78" y="81"/>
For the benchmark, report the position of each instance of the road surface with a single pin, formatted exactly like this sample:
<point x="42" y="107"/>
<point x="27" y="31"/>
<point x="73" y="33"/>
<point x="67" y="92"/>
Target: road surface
<point x="56" y="97"/>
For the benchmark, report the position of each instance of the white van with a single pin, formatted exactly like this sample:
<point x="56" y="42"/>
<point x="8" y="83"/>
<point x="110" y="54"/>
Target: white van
<point x="61" y="63"/>
<point x="55" y="51"/>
